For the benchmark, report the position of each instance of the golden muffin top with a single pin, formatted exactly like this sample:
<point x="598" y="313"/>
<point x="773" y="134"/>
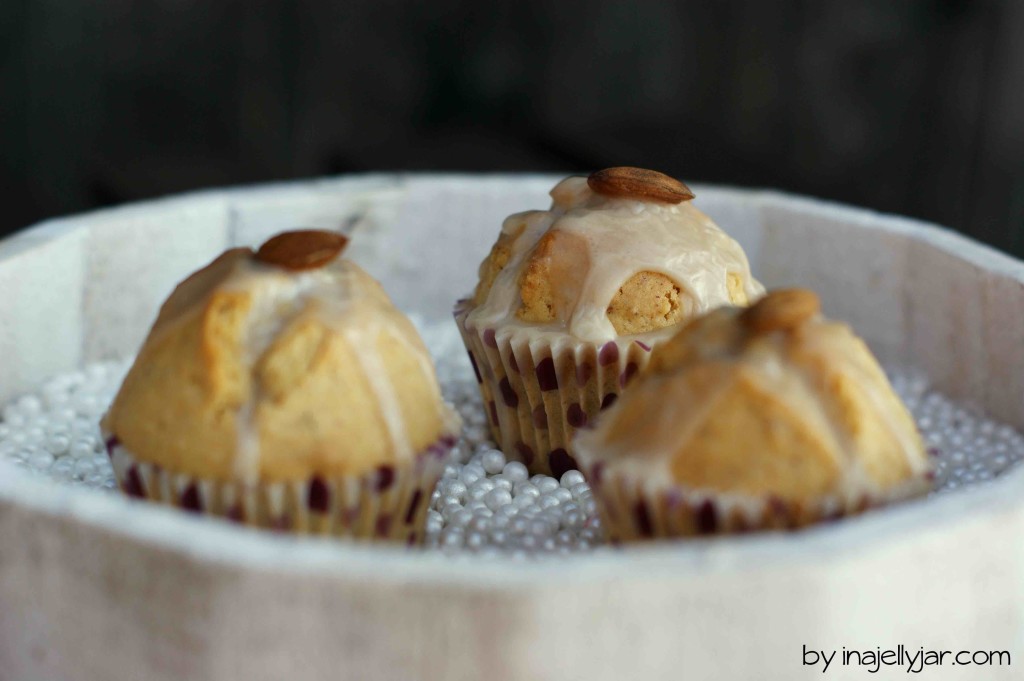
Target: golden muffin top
<point x="623" y="252"/>
<point x="773" y="399"/>
<point x="279" y="365"/>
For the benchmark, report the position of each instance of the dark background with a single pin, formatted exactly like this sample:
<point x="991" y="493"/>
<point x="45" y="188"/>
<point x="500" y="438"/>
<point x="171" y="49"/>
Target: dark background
<point x="915" y="106"/>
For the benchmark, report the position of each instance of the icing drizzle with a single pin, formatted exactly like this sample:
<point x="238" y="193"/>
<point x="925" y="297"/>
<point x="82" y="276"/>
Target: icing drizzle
<point x="352" y="304"/>
<point x="622" y="237"/>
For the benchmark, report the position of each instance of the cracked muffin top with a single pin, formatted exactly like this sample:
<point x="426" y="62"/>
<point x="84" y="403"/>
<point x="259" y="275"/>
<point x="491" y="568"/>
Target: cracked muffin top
<point x="278" y="365"/>
<point x="623" y="252"/>
<point x="771" y="400"/>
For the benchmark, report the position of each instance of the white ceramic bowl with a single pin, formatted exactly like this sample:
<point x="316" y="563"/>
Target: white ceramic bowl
<point x="95" y="586"/>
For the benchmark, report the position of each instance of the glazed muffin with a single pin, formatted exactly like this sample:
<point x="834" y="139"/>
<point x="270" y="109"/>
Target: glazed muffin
<point x="768" y="417"/>
<point x="571" y="301"/>
<point x="283" y="389"/>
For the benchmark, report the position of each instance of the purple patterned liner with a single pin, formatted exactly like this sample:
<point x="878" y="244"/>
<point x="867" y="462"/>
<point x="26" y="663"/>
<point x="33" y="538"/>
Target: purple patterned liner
<point x="537" y="394"/>
<point x="633" y="509"/>
<point x="389" y="504"/>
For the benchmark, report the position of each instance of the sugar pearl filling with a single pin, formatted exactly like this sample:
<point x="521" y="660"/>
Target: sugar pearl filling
<point x="484" y="503"/>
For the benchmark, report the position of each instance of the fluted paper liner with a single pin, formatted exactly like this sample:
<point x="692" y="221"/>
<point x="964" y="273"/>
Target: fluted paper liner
<point x="537" y="393"/>
<point x="637" y="509"/>
<point x="389" y="504"/>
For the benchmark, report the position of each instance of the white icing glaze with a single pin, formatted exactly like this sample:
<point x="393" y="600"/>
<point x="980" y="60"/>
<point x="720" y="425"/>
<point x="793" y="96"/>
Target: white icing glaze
<point x="676" y="412"/>
<point x="351" y="303"/>
<point x="622" y="237"/>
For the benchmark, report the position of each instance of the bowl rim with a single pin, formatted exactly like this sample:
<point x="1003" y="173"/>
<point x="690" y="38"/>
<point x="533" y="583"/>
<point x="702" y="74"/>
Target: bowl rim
<point x="216" y="542"/>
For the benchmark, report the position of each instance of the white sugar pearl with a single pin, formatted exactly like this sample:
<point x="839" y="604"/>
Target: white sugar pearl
<point x="572" y="520"/>
<point x="81" y="448"/>
<point x="482" y="485"/>
<point x="83" y="425"/>
<point x="497" y="498"/>
<point x="571" y="478"/>
<point x="468" y="476"/>
<point x="524" y="500"/>
<point x="515" y="471"/>
<point x="35" y="434"/>
<point x="62" y="468"/>
<point x="39" y="460"/>
<point x="563" y="495"/>
<point x="100" y="480"/>
<point x="501" y="482"/>
<point x="450" y="471"/>
<point x="452" y="537"/>
<point x="548" y="500"/>
<point x="579" y="489"/>
<point x="508" y="511"/>
<point x="58" y="444"/>
<point x="547" y="485"/>
<point x="84" y="468"/>
<point x="55" y="400"/>
<point x="525" y="489"/>
<point x="29" y="404"/>
<point x="539" y="526"/>
<point x="475" y="540"/>
<point x="555" y="522"/>
<point x="474" y="464"/>
<point x="461" y="518"/>
<point x="449" y="510"/>
<point x="493" y="461"/>
<point x="88" y="404"/>
<point x="454" y="488"/>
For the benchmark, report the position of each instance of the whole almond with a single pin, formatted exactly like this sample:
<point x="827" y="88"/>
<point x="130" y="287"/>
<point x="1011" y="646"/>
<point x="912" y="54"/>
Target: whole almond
<point x="638" y="183"/>
<point x="781" y="310"/>
<point x="304" y="249"/>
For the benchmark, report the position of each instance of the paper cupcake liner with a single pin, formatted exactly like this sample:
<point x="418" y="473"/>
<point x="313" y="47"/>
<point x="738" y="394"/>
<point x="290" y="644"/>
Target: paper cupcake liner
<point x="538" y="393"/>
<point x="633" y="509"/>
<point x="388" y="504"/>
